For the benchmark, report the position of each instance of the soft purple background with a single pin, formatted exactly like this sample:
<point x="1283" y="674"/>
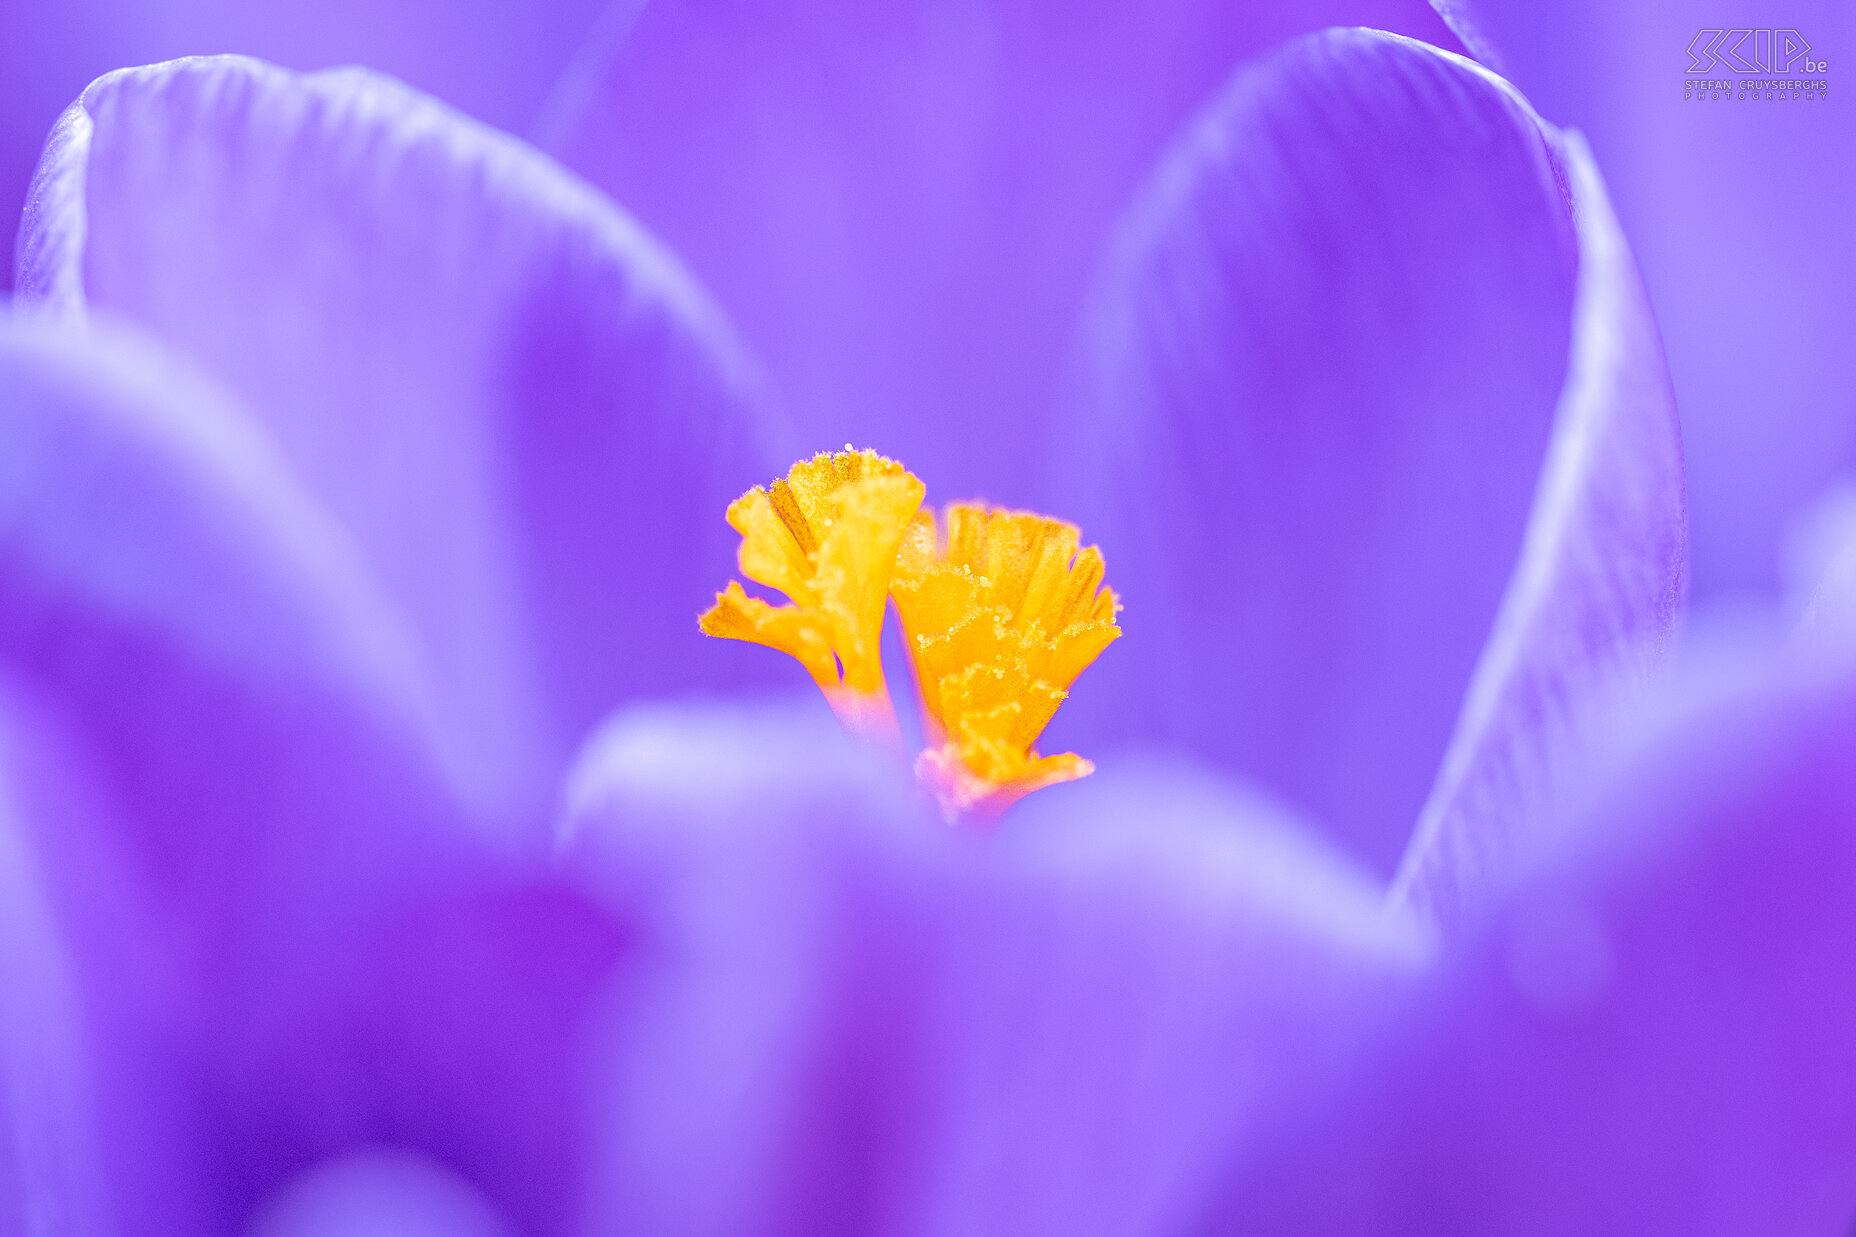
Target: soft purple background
<point x="901" y="205"/>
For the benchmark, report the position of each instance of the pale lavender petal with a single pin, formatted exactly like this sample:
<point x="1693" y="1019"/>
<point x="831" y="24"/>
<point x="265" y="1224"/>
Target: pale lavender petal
<point x="901" y="202"/>
<point x="1651" y="1036"/>
<point x="1327" y="363"/>
<point x="527" y="419"/>
<point x="1590" y="618"/>
<point x="291" y="936"/>
<point x="850" y="1018"/>
<point x="496" y="59"/>
<point x="1755" y="292"/>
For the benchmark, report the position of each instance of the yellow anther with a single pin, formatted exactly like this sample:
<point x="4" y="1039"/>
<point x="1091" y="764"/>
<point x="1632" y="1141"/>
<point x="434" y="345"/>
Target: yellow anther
<point x="1001" y="612"/>
<point x="826" y="536"/>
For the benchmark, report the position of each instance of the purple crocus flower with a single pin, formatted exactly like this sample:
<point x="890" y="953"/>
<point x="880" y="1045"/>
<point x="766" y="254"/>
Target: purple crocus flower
<point x="360" y="461"/>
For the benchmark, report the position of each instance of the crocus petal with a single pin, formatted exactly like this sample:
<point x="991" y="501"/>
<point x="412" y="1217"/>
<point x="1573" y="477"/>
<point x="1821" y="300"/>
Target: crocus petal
<point x="1826" y="556"/>
<point x="376" y="1195"/>
<point x="292" y="937"/>
<point x="900" y="202"/>
<point x="1754" y="291"/>
<point x="1651" y="1036"/>
<point x="1589" y="618"/>
<point x="50" y="1161"/>
<point x="496" y="59"/>
<point x="1333" y="352"/>
<point x="852" y="1019"/>
<point x="515" y="404"/>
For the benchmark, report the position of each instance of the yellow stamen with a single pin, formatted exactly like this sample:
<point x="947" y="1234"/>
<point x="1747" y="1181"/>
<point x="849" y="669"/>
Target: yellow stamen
<point x="1001" y="613"/>
<point x="826" y="536"/>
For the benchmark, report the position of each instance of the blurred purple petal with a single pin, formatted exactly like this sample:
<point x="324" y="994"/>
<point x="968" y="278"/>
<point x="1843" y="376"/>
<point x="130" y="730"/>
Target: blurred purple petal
<point x="520" y="410"/>
<point x="1754" y="291"/>
<point x="291" y="939"/>
<point x="850" y="1019"/>
<point x="380" y="1194"/>
<point x="1327" y="364"/>
<point x="900" y="202"/>
<point x="51" y="1173"/>
<point x="1591" y="616"/>
<point x="1825" y="561"/>
<point x="1652" y="1036"/>
<point x="495" y="59"/>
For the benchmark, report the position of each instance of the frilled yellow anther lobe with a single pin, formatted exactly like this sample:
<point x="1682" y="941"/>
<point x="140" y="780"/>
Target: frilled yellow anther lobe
<point x="1001" y="612"/>
<point x="826" y="536"/>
